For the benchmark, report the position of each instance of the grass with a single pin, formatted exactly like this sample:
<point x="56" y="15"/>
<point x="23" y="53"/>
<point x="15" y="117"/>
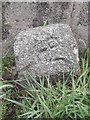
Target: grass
<point x="5" y="87"/>
<point x="2" y="95"/>
<point x="0" y="85"/>
<point x="34" y="100"/>
<point x="58" y="101"/>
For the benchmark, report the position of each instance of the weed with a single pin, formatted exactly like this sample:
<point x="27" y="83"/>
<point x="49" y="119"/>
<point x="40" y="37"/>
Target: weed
<point x="59" y="101"/>
<point x="3" y="105"/>
<point x="45" y="22"/>
<point x="55" y="101"/>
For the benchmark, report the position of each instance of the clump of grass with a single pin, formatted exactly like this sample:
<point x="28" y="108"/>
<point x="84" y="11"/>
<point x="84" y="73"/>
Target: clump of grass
<point x="59" y="101"/>
<point x="85" y="54"/>
<point x="3" y="92"/>
<point x="55" y="101"/>
<point x="3" y="105"/>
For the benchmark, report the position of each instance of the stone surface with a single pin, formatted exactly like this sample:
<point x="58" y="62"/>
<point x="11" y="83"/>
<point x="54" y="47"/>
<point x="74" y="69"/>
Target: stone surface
<point x="18" y="16"/>
<point x="47" y="50"/>
<point x="0" y="21"/>
<point x="0" y="40"/>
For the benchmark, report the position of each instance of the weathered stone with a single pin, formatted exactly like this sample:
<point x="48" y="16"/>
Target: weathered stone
<point x="15" y="20"/>
<point x="80" y="23"/>
<point x="47" y="50"/>
<point x="0" y="21"/>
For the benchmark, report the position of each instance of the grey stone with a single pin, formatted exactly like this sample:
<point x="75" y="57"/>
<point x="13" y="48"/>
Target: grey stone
<point x="17" y="16"/>
<point x="0" y="21"/>
<point x="47" y="50"/>
<point x="80" y="23"/>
